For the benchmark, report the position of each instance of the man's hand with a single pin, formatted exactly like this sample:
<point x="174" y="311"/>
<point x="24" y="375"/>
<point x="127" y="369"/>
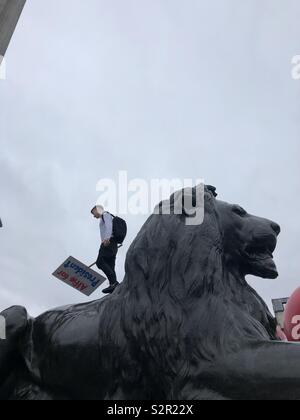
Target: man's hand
<point x="106" y="242"/>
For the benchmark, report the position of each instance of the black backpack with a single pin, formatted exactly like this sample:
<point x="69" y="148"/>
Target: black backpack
<point x="119" y="229"/>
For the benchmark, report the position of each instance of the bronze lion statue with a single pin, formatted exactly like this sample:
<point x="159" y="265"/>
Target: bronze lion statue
<point x="184" y="324"/>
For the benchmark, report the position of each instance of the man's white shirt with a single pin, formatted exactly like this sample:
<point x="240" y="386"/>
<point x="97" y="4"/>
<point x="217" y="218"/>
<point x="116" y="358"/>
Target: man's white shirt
<point x="106" y="226"/>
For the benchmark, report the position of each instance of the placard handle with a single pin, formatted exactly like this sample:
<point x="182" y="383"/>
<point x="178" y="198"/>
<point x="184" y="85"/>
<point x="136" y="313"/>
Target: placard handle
<point x="91" y="266"/>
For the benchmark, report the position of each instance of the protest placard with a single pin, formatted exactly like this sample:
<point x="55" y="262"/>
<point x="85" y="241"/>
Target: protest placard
<point x="79" y="276"/>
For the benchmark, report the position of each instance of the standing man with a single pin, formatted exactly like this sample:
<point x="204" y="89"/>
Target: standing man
<point x="109" y="248"/>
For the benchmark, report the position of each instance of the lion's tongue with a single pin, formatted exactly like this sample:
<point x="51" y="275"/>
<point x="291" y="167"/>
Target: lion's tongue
<point x="265" y="265"/>
<point x="269" y="263"/>
<point x="270" y="267"/>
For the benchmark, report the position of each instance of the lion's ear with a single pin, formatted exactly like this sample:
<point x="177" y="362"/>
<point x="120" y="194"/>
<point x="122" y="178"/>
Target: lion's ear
<point x="188" y="198"/>
<point x="212" y="189"/>
<point x="189" y="203"/>
<point x="193" y="200"/>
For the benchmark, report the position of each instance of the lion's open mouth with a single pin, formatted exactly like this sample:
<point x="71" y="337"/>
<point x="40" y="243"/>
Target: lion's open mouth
<point x="260" y="257"/>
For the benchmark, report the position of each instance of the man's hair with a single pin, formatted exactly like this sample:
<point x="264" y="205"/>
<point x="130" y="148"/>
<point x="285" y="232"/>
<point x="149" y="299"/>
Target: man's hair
<point x="97" y="208"/>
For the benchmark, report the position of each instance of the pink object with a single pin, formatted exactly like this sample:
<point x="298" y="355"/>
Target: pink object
<point x="292" y="317"/>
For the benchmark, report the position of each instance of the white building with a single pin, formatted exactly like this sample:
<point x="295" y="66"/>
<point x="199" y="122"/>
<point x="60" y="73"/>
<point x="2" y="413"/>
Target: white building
<point x="279" y="306"/>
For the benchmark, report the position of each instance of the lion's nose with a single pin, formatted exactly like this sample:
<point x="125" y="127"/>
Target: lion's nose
<point x="276" y="228"/>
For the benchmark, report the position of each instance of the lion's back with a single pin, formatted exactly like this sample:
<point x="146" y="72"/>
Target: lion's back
<point x="72" y="343"/>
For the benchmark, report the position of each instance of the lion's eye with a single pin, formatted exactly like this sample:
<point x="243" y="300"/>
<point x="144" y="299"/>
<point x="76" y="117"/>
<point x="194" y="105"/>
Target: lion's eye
<point x="239" y="211"/>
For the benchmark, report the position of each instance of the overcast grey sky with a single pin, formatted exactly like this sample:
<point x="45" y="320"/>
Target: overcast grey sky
<point x="161" y="88"/>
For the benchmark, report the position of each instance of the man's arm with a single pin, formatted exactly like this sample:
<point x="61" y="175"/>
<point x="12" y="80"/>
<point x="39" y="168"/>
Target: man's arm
<point x="108" y="227"/>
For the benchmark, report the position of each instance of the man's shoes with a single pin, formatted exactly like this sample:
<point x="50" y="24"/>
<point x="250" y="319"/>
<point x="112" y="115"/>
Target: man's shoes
<point x="111" y="288"/>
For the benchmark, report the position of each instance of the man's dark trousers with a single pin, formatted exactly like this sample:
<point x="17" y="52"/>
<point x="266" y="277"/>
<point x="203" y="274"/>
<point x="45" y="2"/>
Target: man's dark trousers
<point x="107" y="261"/>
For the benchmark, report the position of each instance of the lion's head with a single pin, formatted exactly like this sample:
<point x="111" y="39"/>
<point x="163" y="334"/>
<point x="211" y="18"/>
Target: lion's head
<point x="173" y="261"/>
<point x="248" y="241"/>
<point x="242" y="242"/>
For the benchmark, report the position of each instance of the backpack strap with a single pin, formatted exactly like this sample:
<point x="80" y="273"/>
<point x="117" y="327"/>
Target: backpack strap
<point x="107" y="213"/>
